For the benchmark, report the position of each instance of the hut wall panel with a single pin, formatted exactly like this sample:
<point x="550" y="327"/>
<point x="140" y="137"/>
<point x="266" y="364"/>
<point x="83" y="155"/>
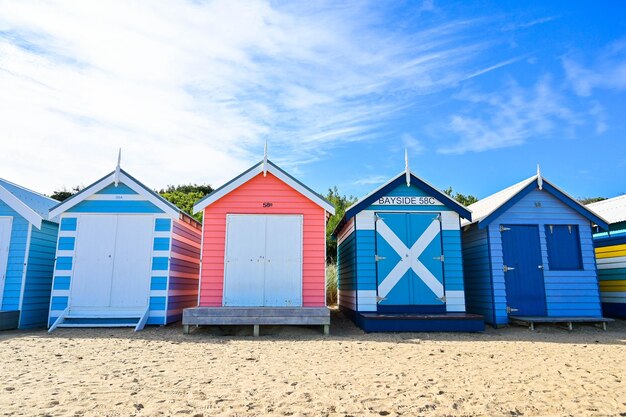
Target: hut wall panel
<point x="38" y="279"/>
<point x="478" y="288"/>
<point x="560" y="303"/>
<point x="15" y="262"/>
<point x="346" y="269"/>
<point x="610" y="252"/>
<point x="184" y="269"/>
<point x="249" y="199"/>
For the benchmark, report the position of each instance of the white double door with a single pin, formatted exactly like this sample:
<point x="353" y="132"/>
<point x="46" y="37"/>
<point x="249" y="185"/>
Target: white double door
<point x="113" y="263"/>
<point x="263" y="262"/>
<point x="5" y="243"/>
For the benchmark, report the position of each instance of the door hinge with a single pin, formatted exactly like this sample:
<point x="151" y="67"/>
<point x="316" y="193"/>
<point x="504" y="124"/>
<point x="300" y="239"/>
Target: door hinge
<point x="379" y="299"/>
<point x="510" y="310"/>
<point x="379" y="258"/>
<point x="507" y="268"/>
<point x="442" y="298"/>
<point x="439" y="258"/>
<point x="504" y="229"/>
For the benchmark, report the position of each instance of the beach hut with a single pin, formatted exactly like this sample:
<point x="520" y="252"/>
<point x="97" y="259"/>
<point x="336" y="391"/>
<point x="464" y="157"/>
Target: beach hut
<point x="529" y="256"/>
<point x="27" y="242"/>
<point x="399" y="260"/>
<point x="610" y="249"/>
<point x="125" y="257"/>
<point x="263" y="253"/>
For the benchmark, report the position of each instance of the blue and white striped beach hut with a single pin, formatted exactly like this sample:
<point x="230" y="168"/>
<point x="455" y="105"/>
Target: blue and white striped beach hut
<point x="125" y="257"/>
<point x="399" y="260"/>
<point x="528" y="256"/>
<point x="27" y="242"/>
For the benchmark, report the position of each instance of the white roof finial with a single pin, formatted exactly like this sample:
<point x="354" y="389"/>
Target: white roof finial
<point x="406" y="167"/>
<point x="117" y="168"/>
<point x="539" y="179"/>
<point x="265" y="159"/>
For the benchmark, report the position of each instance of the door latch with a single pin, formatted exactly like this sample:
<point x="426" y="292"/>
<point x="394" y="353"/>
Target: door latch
<point x="442" y="298"/>
<point x="510" y="310"/>
<point x="439" y="258"/>
<point x="507" y="268"/>
<point x="379" y="258"/>
<point x="540" y="266"/>
<point x="504" y="229"/>
<point x="379" y="299"/>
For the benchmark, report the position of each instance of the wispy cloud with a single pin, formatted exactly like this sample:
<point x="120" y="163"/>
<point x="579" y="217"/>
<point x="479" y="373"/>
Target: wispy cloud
<point x="509" y="117"/>
<point x="528" y="24"/>
<point x="371" y="180"/>
<point x="190" y="90"/>
<point x="608" y="71"/>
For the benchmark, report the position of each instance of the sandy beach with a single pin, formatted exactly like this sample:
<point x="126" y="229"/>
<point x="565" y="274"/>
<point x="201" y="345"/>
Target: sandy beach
<point x="297" y="371"/>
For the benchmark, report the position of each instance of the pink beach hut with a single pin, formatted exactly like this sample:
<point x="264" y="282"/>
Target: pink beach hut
<point x="263" y="253"/>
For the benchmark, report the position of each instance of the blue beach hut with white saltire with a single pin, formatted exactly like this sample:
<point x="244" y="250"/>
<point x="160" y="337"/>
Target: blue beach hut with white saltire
<point x="528" y="256"/>
<point x="399" y="260"/>
<point x="27" y="242"/>
<point x="125" y="257"/>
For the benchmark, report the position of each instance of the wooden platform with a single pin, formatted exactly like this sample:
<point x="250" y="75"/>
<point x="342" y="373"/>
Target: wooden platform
<point x="444" y="322"/>
<point x="256" y="316"/>
<point x="569" y="321"/>
<point x="9" y="320"/>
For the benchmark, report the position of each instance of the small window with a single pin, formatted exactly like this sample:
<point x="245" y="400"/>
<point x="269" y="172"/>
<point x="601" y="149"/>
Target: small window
<point x="563" y="247"/>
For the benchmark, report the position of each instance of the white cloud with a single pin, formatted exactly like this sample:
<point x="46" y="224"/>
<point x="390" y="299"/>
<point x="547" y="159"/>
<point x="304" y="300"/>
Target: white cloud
<point x="607" y="72"/>
<point x="509" y="117"/>
<point x="191" y="90"/>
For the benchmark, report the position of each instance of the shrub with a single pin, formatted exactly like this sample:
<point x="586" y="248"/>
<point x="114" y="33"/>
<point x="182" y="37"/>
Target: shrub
<point x="331" y="284"/>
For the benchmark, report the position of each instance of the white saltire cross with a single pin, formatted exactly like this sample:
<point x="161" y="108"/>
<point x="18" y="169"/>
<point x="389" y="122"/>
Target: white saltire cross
<point x="409" y="258"/>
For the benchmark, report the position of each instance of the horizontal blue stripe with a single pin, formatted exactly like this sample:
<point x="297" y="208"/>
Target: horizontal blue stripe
<point x="161" y="243"/>
<point x="158" y="283"/>
<point x="115" y="206"/>
<point x="120" y="189"/>
<point x="160" y="263"/>
<point x="156" y="320"/>
<point x="66" y="243"/>
<point x="68" y="224"/>
<point x="162" y="225"/>
<point x="64" y="263"/>
<point x="58" y="303"/>
<point x="157" y="303"/>
<point x="61" y="283"/>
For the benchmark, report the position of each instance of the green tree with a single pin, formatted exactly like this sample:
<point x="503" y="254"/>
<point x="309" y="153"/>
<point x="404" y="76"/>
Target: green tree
<point x="184" y="196"/>
<point x="589" y="200"/>
<point x="464" y="199"/>
<point x="63" y="194"/>
<point x="340" y="202"/>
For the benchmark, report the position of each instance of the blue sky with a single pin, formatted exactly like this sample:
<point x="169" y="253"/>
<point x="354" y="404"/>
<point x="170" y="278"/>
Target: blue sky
<point x="479" y="92"/>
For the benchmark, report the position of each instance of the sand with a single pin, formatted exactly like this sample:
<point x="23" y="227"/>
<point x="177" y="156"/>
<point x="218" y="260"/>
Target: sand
<point x="297" y="371"/>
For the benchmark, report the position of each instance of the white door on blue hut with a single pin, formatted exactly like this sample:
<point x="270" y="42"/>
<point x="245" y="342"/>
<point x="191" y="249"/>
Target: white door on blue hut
<point x="263" y="263"/>
<point x="409" y="262"/>
<point x="112" y="264"/>
<point x="5" y="242"/>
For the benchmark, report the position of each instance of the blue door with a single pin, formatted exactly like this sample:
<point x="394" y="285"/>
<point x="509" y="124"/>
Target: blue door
<point x="409" y="263"/>
<point x="523" y="270"/>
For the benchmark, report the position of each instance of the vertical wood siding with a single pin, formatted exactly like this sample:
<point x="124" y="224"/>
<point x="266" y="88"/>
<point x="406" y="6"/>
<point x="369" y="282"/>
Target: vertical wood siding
<point x="568" y="293"/>
<point x="249" y="199"/>
<point x="38" y="279"/>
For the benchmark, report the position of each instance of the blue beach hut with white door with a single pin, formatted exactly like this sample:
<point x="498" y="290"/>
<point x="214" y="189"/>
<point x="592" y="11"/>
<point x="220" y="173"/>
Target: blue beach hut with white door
<point x="125" y="257"/>
<point x="27" y="241"/>
<point x="399" y="260"/>
<point x="528" y="256"/>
